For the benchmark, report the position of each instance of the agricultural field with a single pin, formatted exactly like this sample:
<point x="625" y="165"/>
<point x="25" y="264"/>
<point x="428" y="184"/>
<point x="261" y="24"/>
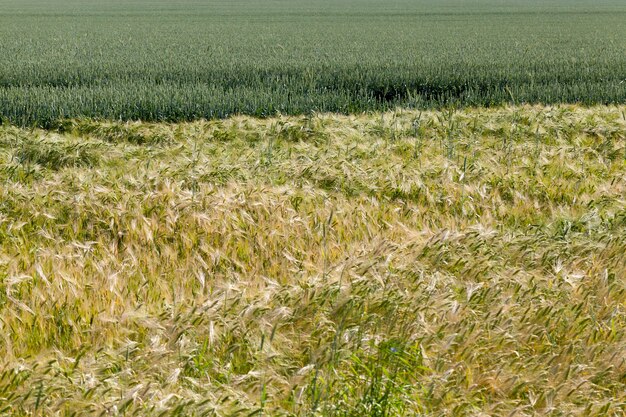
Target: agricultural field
<point x="438" y="263"/>
<point x="183" y="60"/>
<point x="313" y="208"/>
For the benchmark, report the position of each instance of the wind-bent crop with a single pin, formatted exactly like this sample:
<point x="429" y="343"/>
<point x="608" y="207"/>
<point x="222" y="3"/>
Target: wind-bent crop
<point x="364" y="268"/>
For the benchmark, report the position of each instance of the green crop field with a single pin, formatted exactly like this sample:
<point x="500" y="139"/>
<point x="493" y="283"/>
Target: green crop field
<point x="183" y="60"/>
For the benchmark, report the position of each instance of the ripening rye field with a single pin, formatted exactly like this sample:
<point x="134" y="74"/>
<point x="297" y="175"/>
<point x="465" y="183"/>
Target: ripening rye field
<point x="436" y="263"/>
<point x="313" y="208"/>
<point x="163" y="60"/>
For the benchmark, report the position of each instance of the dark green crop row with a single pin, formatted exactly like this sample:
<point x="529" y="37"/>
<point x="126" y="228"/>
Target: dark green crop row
<point x="163" y="60"/>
